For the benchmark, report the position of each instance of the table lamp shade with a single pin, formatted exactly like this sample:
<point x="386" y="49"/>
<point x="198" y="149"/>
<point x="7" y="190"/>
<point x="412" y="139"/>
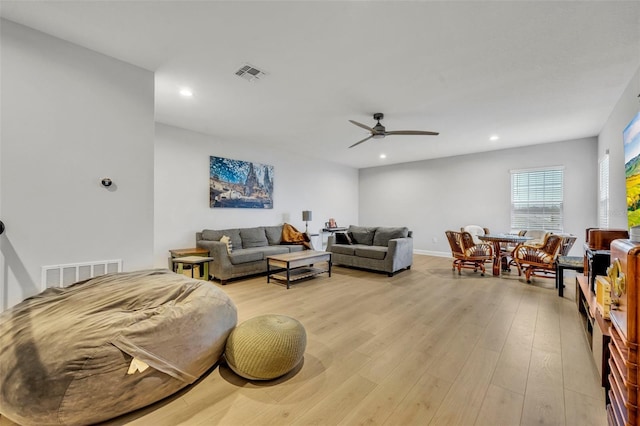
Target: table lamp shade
<point x="306" y="215"/>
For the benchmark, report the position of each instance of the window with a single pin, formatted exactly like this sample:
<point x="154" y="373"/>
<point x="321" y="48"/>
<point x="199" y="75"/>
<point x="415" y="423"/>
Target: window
<point x="603" y="192"/>
<point x="537" y="199"/>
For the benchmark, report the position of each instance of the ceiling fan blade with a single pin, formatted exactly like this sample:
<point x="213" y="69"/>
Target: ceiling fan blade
<point x="411" y="132"/>
<point x="363" y="140"/>
<point x="361" y="125"/>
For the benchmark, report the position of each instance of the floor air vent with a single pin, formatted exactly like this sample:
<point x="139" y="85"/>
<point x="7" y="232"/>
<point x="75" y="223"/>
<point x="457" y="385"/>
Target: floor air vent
<point x="64" y="275"/>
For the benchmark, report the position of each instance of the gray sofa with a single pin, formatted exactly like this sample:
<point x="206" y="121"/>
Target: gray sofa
<point x="251" y="246"/>
<point x="377" y="248"/>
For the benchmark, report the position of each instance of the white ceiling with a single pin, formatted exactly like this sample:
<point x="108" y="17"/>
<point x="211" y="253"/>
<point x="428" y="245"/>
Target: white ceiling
<point x="531" y="72"/>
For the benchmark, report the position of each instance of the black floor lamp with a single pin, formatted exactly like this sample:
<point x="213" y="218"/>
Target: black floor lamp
<point x="306" y="216"/>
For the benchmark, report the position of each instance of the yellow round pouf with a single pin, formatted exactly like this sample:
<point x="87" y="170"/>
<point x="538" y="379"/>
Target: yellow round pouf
<point x="266" y="347"/>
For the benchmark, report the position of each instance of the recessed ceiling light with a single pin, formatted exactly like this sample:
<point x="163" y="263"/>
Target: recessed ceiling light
<point x="185" y="91"/>
<point x="383" y="156"/>
<point x="494" y="137"/>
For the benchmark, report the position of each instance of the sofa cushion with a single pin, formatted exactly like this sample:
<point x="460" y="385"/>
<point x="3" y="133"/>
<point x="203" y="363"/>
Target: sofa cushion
<point x="383" y="235"/>
<point x="361" y="234"/>
<point x="212" y="235"/>
<point x="294" y="248"/>
<point x="343" y="249"/>
<point x="246" y="255"/>
<point x="274" y="234"/>
<point x="273" y="250"/>
<point x="253" y="237"/>
<point x="215" y="235"/>
<point x="356" y="228"/>
<point x="343" y="238"/>
<point x="372" y="252"/>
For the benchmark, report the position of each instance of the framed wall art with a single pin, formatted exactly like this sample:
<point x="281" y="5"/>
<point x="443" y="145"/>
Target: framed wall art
<point x="240" y="184"/>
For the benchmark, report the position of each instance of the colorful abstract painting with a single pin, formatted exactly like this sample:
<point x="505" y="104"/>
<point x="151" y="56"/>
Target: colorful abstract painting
<point x="240" y="184"/>
<point x="631" y="138"/>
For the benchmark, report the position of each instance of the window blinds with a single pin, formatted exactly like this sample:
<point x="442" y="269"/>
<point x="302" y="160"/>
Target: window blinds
<point x="537" y="199"/>
<point x="603" y="193"/>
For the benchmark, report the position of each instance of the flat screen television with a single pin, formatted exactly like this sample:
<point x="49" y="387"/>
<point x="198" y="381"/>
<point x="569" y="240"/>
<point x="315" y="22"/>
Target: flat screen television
<point x="631" y="138"/>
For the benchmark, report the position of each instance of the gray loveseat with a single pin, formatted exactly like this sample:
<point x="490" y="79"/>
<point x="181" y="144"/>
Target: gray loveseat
<point x="251" y="246"/>
<point x="378" y="248"/>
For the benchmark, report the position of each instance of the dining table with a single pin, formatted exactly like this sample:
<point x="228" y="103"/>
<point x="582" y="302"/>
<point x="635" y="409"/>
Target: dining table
<point x="500" y="257"/>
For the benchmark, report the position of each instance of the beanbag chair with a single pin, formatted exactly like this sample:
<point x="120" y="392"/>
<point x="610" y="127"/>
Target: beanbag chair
<point x="108" y="345"/>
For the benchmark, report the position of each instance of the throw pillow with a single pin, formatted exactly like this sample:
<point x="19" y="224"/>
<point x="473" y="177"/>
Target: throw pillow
<point x="228" y="242"/>
<point x="343" y="238"/>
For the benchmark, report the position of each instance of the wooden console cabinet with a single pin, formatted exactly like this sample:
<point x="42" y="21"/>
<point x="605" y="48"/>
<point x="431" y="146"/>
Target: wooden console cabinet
<point x="596" y="328"/>
<point x="622" y="408"/>
<point x="597" y="253"/>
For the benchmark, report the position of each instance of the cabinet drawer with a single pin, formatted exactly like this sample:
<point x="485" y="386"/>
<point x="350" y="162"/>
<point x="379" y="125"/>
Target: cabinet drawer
<point x="620" y="353"/>
<point x="628" y="393"/>
<point x="617" y="363"/>
<point x="611" y="419"/>
<point x="619" y="412"/>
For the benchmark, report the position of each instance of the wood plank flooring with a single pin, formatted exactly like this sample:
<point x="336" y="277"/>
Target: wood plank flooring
<point x="425" y="347"/>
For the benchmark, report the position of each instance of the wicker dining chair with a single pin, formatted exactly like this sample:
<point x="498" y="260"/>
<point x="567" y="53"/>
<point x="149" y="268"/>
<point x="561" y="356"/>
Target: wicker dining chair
<point x="538" y="261"/>
<point x="475" y="231"/>
<point x="467" y="254"/>
<point x="507" y="250"/>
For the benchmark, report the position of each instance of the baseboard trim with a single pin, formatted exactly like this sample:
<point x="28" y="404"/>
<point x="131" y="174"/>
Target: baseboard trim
<point x="432" y="253"/>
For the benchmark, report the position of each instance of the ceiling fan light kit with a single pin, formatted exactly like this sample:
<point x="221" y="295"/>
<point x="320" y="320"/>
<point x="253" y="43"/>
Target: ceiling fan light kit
<point x="379" y="131"/>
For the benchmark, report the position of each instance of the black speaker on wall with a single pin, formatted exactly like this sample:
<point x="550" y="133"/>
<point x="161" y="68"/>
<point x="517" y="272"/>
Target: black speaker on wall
<point x="1" y="227"/>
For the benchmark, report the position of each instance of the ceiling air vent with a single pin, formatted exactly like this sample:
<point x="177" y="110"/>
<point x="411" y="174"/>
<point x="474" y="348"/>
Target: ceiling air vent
<point x="250" y="73"/>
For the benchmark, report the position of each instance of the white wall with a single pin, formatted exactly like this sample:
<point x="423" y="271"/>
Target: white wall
<point x="182" y="189"/>
<point x="71" y="116"/>
<point x="433" y="196"/>
<point x="610" y="138"/>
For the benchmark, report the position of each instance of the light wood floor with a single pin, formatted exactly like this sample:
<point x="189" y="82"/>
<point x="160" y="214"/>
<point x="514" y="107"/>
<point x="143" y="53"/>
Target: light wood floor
<point x="425" y="347"/>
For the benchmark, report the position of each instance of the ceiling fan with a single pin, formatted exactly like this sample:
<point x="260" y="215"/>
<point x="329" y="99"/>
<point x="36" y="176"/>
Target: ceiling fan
<point x="378" y="131"/>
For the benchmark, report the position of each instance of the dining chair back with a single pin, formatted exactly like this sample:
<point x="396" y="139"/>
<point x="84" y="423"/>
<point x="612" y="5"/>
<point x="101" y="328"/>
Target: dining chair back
<point x="566" y="244"/>
<point x="475" y="231"/>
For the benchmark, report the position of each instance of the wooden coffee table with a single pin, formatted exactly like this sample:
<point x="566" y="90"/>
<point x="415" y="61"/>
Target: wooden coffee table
<point x="297" y="265"/>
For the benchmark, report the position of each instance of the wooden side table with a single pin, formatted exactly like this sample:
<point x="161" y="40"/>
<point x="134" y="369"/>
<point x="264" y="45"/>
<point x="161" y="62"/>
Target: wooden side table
<point x="574" y="263"/>
<point x="179" y="262"/>
<point x="186" y="252"/>
<point x="327" y="232"/>
<point x="195" y="251"/>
